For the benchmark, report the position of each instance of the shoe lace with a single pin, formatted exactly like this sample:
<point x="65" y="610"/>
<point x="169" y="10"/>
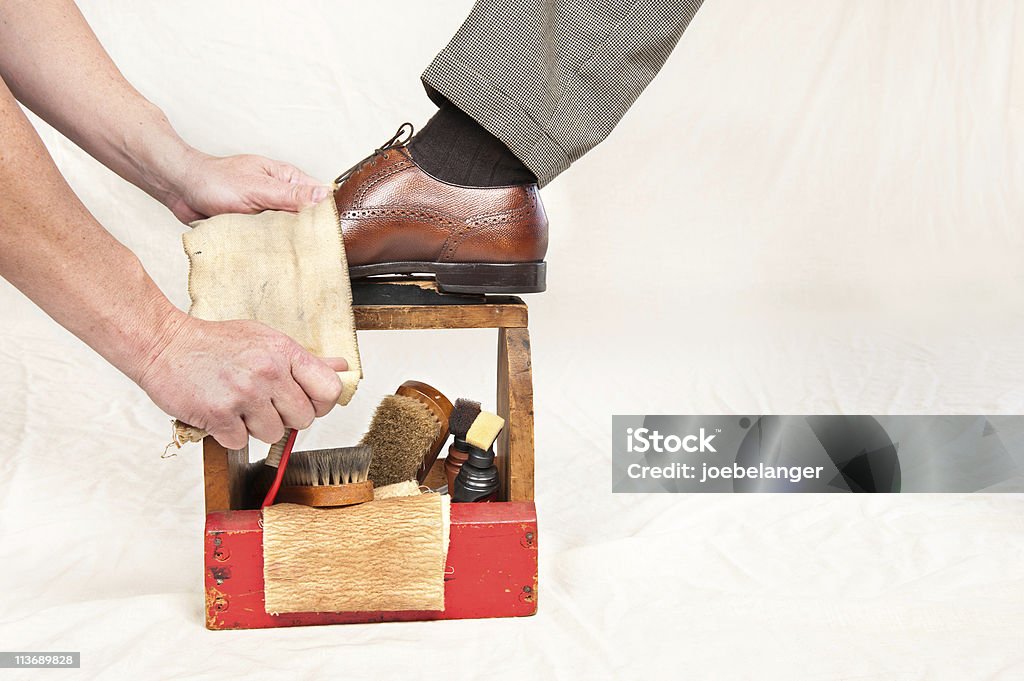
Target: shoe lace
<point x="400" y="138"/>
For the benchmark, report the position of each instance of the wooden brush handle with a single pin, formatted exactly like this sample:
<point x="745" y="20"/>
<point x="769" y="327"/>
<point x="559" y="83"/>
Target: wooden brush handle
<point x="441" y="407"/>
<point x="326" y="496"/>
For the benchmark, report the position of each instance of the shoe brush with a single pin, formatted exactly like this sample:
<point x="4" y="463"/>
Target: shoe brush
<point x="405" y="434"/>
<point x="328" y="477"/>
<point x="441" y="408"/>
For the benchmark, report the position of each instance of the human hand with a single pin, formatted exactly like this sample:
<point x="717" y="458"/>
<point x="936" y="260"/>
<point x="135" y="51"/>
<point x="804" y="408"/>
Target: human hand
<point x="238" y="378"/>
<point x="211" y="185"/>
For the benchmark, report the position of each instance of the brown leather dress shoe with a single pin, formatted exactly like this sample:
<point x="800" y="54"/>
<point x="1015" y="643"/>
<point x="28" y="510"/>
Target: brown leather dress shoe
<point x="397" y="219"/>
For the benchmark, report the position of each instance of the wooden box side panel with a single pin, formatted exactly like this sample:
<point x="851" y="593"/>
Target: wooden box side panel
<point x="223" y="475"/>
<point x="491" y="570"/>
<point x="515" y="445"/>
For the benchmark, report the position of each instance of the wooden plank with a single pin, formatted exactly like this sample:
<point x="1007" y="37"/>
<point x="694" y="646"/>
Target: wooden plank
<point x="394" y="317"/>
<point x="515" y="450"/>
<point x="223" y="475"/>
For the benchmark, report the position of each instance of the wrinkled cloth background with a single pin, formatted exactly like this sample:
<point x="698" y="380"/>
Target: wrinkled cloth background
<point x="815" y="208"/>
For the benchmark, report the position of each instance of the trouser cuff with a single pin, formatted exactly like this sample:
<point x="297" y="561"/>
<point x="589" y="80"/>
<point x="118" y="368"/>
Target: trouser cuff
<point x="498" y="114"/>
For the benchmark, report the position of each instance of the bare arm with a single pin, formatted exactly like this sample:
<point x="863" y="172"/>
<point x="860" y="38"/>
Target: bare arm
<point x="53" y="64"/>
<point x="228" y="378"/>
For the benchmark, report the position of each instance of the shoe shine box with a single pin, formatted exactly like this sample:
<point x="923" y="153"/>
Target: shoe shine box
<point x="491" y="566"/>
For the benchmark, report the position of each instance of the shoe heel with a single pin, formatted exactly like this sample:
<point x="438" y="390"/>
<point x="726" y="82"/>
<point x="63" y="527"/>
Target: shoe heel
<point x="527" y="277"/>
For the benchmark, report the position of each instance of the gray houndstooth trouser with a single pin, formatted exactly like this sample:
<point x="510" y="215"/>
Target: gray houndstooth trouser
<point x="551" y="78"/>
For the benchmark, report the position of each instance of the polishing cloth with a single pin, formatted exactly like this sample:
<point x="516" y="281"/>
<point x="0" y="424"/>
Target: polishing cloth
<point x="286" y="270"/>
<point x="379" y="556"/>
<point x="407" y="488"/>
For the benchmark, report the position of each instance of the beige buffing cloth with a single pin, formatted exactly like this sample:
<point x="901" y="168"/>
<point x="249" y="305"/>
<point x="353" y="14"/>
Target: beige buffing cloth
<point x="379" y="556"/>
<point x="287" y="270"/>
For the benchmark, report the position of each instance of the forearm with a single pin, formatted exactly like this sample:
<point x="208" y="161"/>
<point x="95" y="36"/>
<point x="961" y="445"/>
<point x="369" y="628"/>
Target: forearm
<point x="56" y="253"/>
<point x="53" y="63"/>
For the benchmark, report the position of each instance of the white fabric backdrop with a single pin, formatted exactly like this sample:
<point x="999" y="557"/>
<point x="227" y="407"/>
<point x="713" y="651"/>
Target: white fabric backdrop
<point x="815" y="208"/>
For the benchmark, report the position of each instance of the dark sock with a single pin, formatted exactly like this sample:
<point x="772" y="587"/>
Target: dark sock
<point x="455" y="148"/>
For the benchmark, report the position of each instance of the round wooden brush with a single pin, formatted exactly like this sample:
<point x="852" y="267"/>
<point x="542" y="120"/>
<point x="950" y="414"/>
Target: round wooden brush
<point x="328" y="477"/>
<point x="403" y="434"/>
<point x="441" y="408"/>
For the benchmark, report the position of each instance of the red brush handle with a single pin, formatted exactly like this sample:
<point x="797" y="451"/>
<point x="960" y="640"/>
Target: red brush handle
<point x="272" y="492"/>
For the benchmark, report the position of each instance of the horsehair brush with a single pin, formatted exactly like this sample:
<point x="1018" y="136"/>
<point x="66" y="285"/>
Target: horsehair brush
<point x="403" y="431"/>
<point x="328" y="477"/>
<point x="441" y="407"/>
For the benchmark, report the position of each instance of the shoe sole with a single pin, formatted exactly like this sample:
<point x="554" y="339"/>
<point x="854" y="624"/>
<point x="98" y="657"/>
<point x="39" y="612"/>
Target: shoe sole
<point x="470" y="277"/>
